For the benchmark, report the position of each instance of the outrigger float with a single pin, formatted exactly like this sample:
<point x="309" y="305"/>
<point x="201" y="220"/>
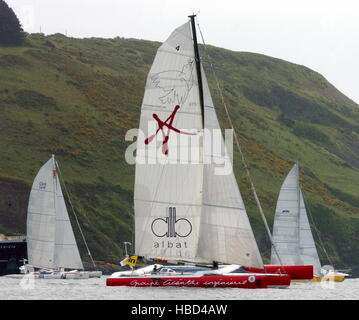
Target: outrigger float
<point x="231" y="276"/>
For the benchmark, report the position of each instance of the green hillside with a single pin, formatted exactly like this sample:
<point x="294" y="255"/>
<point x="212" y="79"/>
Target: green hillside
<point x="77" y="98"/>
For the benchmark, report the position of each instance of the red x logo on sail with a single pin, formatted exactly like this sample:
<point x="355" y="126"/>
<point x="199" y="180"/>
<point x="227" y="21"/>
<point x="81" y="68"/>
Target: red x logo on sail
<point x="161" y="126"/>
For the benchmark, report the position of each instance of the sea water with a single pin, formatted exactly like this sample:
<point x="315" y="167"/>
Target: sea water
<point x="96" y="289"/>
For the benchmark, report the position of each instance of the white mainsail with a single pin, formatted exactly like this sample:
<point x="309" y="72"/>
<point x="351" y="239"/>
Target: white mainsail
<point x="291" y="230"/>
<point x="182" y="210"/>
<point x="50" y="238"/>
<point x="168" y="197"/>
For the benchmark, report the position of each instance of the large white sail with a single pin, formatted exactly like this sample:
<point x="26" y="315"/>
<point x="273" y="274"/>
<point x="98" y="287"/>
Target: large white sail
<point x="291" y="230"/>
<point x="184" y="211"/>
<point x="168" y="196"/>
<point x="225" y="233"/>
<point x="50" y="239"/>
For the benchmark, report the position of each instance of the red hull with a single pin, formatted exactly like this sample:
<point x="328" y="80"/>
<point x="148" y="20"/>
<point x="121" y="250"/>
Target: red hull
<point x="295" y="272"/>
<point x="299" y="272"/>
<point x="211" y="281"/>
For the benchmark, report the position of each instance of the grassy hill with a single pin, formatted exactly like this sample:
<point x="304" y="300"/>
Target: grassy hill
<point x="77" y="98"/>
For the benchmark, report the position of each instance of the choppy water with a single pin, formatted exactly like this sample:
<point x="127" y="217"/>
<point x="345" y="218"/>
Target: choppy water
<point x="96" y="289"/>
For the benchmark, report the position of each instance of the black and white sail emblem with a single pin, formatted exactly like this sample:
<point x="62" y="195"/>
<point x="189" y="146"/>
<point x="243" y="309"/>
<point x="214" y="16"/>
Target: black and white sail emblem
<point x="42" y="185"/>
<point x="171" y="227"/>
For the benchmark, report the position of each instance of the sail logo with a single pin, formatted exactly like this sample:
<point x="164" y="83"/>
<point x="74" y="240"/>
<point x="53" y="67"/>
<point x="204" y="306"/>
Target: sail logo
<point x="171" y="227"/>
<point x="174" y="86"/>
<point x="42" y="185"/>
<point x="162" y="125"/>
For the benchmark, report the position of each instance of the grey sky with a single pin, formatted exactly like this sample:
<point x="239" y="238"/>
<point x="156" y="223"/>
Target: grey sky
<point x="320" y="34"/>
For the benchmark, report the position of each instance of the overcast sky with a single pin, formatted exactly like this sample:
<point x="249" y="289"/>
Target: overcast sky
<point x="320" y="34"/>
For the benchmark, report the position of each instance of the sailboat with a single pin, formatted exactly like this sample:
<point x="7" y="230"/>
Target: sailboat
<point x="185" y="213"/>
<point x="51" y="243"/>
<point x="292" y="234"/>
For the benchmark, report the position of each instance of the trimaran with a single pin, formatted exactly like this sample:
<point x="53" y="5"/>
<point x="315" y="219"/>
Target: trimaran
<point x="184" y="211"/>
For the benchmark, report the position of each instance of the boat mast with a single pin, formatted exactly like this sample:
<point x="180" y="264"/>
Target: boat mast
<point x="200" y="84"/>
<point x="198" y="65"/>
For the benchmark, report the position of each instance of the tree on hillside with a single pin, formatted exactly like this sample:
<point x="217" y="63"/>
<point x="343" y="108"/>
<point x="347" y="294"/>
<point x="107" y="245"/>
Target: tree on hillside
<point x="11" y="32"/>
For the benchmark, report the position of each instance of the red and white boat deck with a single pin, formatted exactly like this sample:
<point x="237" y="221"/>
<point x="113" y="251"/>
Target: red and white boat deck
<point x="225" y="277"/>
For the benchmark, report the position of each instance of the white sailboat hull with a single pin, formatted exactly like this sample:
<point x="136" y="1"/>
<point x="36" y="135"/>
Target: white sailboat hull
<point x="53" y="275"/>
<point x="74" y="274"/>
<point x="95" y="274"/>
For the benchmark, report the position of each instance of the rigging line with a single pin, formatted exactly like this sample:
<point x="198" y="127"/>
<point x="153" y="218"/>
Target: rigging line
<point x="77" y="221"/>
<point x="241" y="153"/>
<point x="321" y="244"/>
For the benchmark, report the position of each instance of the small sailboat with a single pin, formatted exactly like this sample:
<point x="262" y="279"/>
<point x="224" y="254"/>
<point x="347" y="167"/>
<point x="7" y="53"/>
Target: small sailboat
<point x="292" y="234"/>
<point x="51" y="244"/>
<point x="185" y="213"/>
